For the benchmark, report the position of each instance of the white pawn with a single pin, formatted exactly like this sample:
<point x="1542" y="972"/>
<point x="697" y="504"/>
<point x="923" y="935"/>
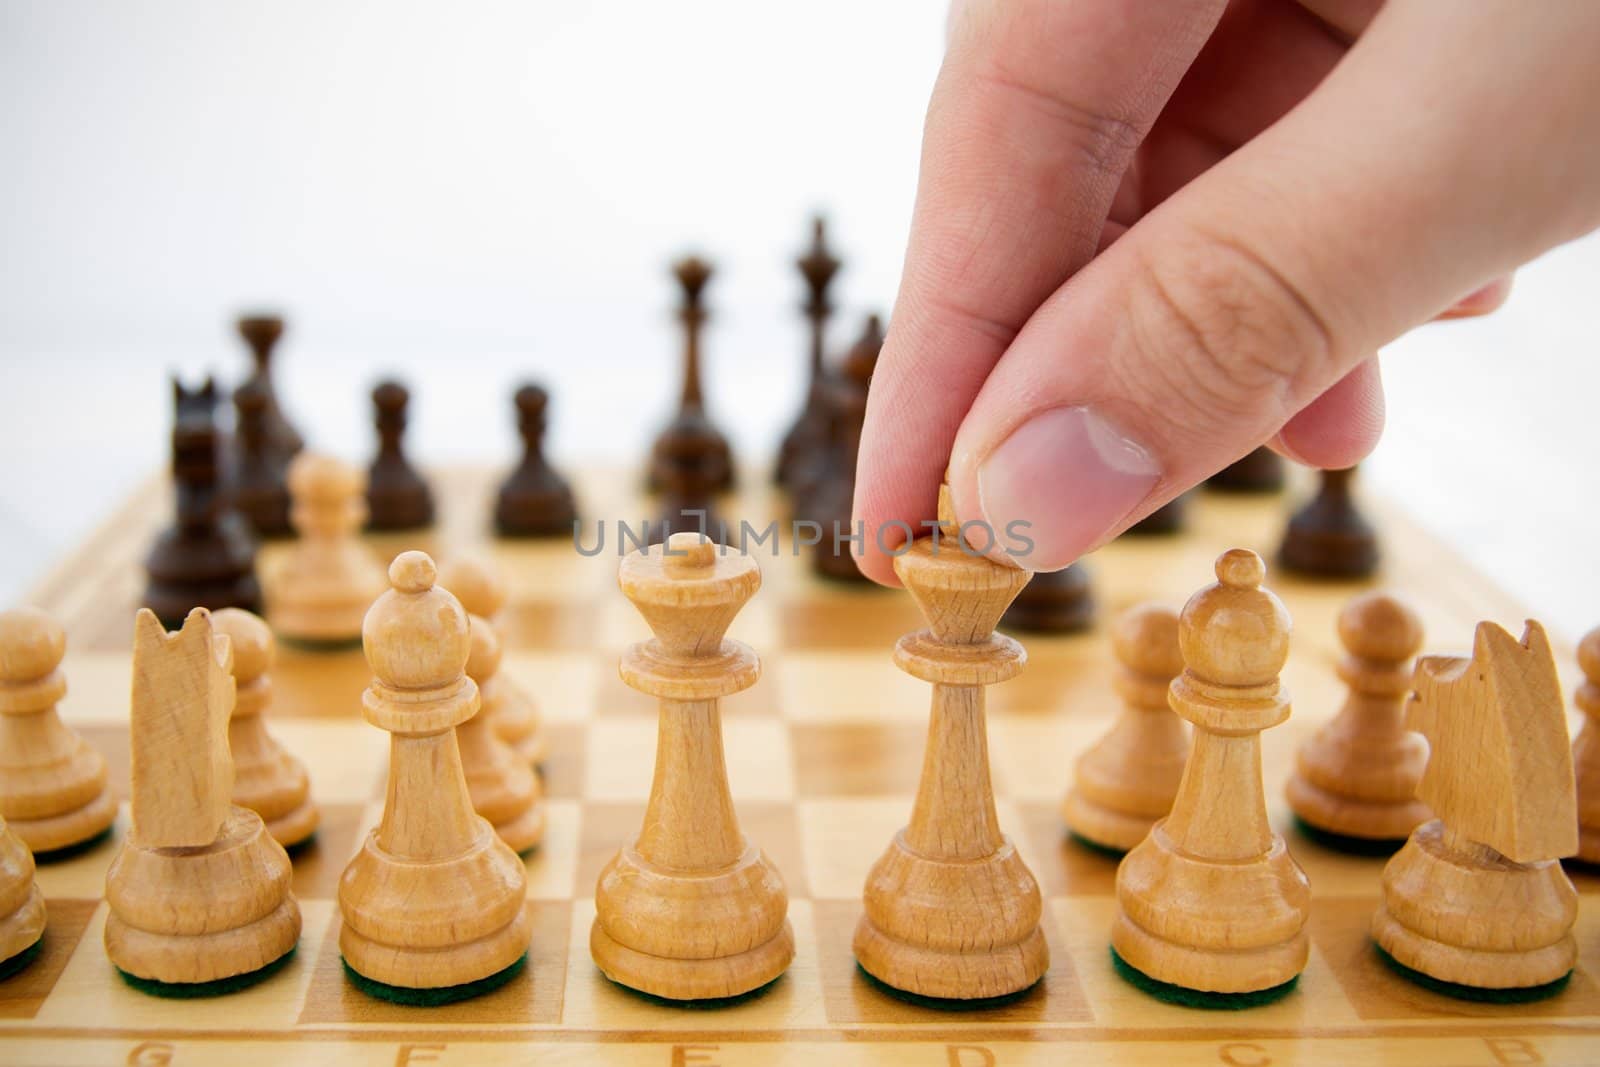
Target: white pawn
<point x="330" y="578"/>
<point x="481" y="588"/>
<point x="505" y="789"/>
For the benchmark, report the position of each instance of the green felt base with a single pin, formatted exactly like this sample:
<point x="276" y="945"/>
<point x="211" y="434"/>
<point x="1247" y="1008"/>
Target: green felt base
<point x="1513" y="995"/>
<point x="437" y="996"/>
<point x="305" y="844"/>
<point x="306" y="644"/>
<point x="705" y="1003"/>
<point x="944" y="1003"/>
<point x="1095" y="846"/>
<point x="201" y="990"/>
<point x="66" y="852"/>
<point x="1355" y="846"/>
<point x="20" y="961"/>
<point x="1199" y="998"/>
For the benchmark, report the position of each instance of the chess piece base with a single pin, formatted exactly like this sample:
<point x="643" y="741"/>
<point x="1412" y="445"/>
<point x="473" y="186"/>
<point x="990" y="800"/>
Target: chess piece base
<point x="441" y="923"/>
<point x="196" y="915"/>
<point x="323" y="620"/>
<point x="691" y="937"/>
<point x="680" y="979"/>
<point x="1053" y="602"/>
<point x="951" y="975"/>
<point x="1099" y="825"/>
<point x="1353" y="816"/>
<point x="1211" y="926"/>
<point x="1329" y="553"/>
<point x="21" y="929"/>
<point x="953" y="930"/>
<point x="64" y="830"/>
<point x="535" y="514"/>
<point x="1445" y="914"/>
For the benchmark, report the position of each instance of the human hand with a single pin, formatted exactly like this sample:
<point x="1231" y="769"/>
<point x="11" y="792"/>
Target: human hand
<point x="1151" y="236"/>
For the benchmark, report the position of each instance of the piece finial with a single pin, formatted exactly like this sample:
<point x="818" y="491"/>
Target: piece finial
<point x="253" y="644"/>
<point x="31" y="645"/>
<point x="1240" y="568"/>
<point x="413" y="572"/>
<point x="689" y="553"/>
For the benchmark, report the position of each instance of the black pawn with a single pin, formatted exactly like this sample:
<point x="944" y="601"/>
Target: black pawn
<point x="1329" y="537"/>
<point x="261" y="334"/>
<point x="534" y="500"/>
<point x="808" y="435"/>
<point x="1164" y="521"/>
<point x="690" y="435"/>
<point x="832" y="502"/>
<point x="261" y="469"/>
<point x="1260" y="471"/>
<point x="397" y="497"/>
<point x="206" y="558"/>
<point x="1053" y="602"/>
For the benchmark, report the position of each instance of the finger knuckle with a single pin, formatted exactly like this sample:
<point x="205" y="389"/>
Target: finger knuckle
<point x="1225" y="331"/>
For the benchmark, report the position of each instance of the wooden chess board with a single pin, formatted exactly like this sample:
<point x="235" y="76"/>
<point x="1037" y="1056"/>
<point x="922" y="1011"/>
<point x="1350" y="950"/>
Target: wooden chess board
<point x="823" y="755"/>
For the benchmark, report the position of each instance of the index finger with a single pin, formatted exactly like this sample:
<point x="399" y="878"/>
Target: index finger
<point x="1035" y="116"/>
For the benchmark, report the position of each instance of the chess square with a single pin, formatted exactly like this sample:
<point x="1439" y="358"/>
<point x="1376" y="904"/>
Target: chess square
<point x="318" y="683"/>
<point x="850" y="997"/>
<point x="813" y="616"/>
<point x="1341" y="930"/>
<point x="532" y="997"/>
<point x="98" y="689"/>
<point x="347" y="761"/>
<point x="849" y="686"/>
<point x="22" y="995"/>
<point x="1069" y="674"/>
<point x="1085" y="922"/>
<point x="544" y="623"/>
<point x="562" y="685"/>
<point x="319" y="862"/>
<point x="850" y="759"/>
<point x="842" y="839"/>
<point x="594" y="1002"/>
<point x="552" y="866"/>
<point x="91" y="989"/>
<point x="771" y="827"/>
<point x="82" y="875"/>
<point x="1064" y="865"/>
<point x="1032" y="756"/>
<point x="565" y="760"/>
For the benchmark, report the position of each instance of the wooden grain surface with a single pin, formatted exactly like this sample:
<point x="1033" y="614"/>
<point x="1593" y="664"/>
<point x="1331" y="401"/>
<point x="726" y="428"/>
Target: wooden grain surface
<point x="823" y="755"/>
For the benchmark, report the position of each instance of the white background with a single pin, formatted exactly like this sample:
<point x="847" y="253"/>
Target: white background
<point x="473" y="193"/>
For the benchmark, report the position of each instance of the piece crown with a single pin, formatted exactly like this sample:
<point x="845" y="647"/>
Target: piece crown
<point x="31" y="645"/>
<point x="1234" y="632"/>
<point x="416" y="634"/>
<point x="689" y="591"/>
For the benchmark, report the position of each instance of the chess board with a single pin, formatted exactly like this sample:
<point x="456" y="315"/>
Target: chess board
<point x="823" y="755"/>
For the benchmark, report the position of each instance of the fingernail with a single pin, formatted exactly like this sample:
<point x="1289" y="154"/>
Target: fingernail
<point x="1070" y="475"/>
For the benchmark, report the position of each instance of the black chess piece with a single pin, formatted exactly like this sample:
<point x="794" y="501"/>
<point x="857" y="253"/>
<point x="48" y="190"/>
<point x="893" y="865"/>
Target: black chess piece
<point x="397" y="496"/>
<point x="1053" y="602"/>
<point x="1329" y="537"/>
<point x="691" y="434"/>
<point x="1168" y="519"/>
<point x="688" y="499"/>
<point x="261" y="334"/>
<point x="807" y="437"/>
<point x="534" y="501"/>
<point x="261" y="467"/>
<point x="206" y="558"/>
<point x="832" y="502"/>
<point x="1260" y="471"/>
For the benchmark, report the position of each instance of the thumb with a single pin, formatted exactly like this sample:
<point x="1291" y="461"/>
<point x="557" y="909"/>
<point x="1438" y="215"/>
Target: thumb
<point x="1265" y="283"/>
